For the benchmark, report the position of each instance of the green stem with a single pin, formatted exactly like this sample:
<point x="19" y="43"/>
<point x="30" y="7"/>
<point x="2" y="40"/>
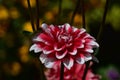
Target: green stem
<point x="62" y="72"/>
<point x="86" y="69"/>
<point x="75" y="11"/>
<point x="31" y="16"/>
<point x="83" y="13"/>
<point x="59" y="11"/>
<point x="103" y="21"/>
<point x="37" y="14"/>
<point x="42" y="76"/>
<point x="99" y="34"/>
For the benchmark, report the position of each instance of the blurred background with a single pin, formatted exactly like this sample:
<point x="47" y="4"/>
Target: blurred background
<point x="17" y="63"/>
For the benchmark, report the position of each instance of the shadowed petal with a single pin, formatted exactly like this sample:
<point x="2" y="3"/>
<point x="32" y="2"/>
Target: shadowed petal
<point x="74" y="52"/>
<point x="45" y="38"/>
<point x="87" y="57"/>
<point x="93" y="43"/>
<point x="59" y="49"/>
<point x="89" y="50"/>
<point x="44" y="26"/>
<point x="35" y="48"/>
<point x="80" y="59"/>
<point x="48" y="50"/>
<point x="60" y="55"/>
<point x="68" y="28"/>
<point x="49" y="64"/>
<point x="43" y="58"/>
<point x="68" y="62"/>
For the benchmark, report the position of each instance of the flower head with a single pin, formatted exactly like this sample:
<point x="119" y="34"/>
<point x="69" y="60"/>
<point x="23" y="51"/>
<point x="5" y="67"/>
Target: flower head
<point x="63" y="43"/>
<point x="75" y="73"/>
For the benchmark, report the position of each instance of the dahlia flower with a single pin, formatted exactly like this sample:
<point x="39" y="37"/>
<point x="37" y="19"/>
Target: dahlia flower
<point x="75" y="73"/>
<point x="63" y="43"/>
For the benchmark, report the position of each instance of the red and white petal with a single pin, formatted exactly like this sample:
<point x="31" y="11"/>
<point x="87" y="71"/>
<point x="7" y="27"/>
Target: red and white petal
<point x="68" y="63"/>
<point x="75" y="29"/>
<point x="59" y="49"/>
<point x="68" y="28"/>
<point x="87" y="57"/>
<point x="79" y="44"/>
<point x="60" y="55"/>
<point x="89" y="50"/>
<point x="80" y="60"/>
<point x="74" y="52"/>
<point x="37" y="39"/>
<point x="82" y="30"/>
<point x="88" y="36"/>
<point x="48" y="50"/>
<point x="49" y="64"/>
<point x="43" y="58"/>
<point x="46" y="38"/>
<point x="93" y="43"/>
<point x="35" y="48"/>
<point x="44" y="26"/>
<point x="67" y="77"/>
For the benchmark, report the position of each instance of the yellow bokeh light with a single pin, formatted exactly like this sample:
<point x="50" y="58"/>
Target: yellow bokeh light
<point x="25" y="4"/>
<point x="24" y="50"/>
<point x="14" y="13"/>
<point x="27" y="27"/>
<point x="49" y="16"/>
<point x="78" y="19"/>
<point x="3" y="13"/>
<point x="23" y="53"/>
<point x="15" y="68"/>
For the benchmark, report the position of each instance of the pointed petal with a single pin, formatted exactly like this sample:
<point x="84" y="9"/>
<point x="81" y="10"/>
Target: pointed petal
<point x="81" y="46"/>
<point x="45" y="37"/>
<point x="89" y="50"/>
<point x="49" y="64"/>
<point x="95" y="59"/>
<point x="35" y="48"/>
<point x="38" y="39"/>
<point x="80" y="60"/>
<point x="82" y="30"/>
<point x="44" y="26"/>
<point x="59" y="49"/>
<point x="88" y="57"/>
<point x="93" y="43"/>
<point x="43" y="58"/>
<point x="75" y="29"/>
<point x="74" y="52"/>
<point x="68" y="62"/>
<point x="60" y="55"/>
<point x="47" y="50"/>
<point x="68" y="28"/>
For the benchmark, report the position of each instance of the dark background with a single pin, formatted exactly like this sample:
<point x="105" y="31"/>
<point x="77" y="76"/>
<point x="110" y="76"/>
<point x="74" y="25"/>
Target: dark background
<point x="17" y="63"/>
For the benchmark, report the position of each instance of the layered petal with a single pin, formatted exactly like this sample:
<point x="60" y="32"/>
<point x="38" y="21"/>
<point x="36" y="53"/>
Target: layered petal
<point x="63" y="43"/>
<point x="68" y="62"/>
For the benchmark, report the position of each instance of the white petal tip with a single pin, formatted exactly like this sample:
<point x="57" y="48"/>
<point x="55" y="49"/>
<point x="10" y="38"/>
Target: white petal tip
<point x="68" y="63"/>
<point x="44" y="26"/>
<point x="88" y="58"/>
<point x="80" y="60"/>
<point x="49" y="64"/>
<point x="35" y="48"/>
<point x="89" y="50"/>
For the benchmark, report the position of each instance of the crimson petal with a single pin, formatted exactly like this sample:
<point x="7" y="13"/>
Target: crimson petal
<point x="68" y="62"/>
<point x="60" y="55"/>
